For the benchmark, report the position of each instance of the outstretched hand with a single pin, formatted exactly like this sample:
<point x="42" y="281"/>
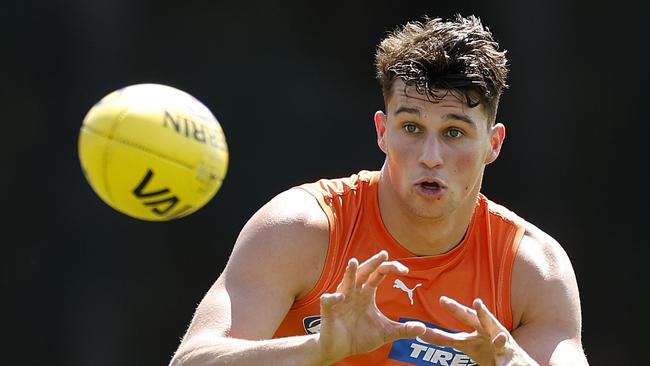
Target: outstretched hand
<point x="351" y="323"/>
<point x="489" y="344"/>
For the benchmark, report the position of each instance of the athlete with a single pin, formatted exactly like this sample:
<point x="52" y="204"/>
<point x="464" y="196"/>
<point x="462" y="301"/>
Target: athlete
<point x="410" y="264"/>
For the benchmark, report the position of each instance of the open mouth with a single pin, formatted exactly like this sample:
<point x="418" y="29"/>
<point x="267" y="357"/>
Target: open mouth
<point x="433" y="186"/>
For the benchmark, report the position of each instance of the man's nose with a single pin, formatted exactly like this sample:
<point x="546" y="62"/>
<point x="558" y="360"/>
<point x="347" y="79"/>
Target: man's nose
<point x="430" y="155"/>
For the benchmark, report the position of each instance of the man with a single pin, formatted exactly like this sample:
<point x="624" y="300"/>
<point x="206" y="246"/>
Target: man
<point x="448" y="277"/>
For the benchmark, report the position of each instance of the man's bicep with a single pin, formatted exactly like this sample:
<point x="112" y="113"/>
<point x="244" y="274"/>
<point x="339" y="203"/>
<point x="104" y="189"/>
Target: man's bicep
<point x="240" y="311"/>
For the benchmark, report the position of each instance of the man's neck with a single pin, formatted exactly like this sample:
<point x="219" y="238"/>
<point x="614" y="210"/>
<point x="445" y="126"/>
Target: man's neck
<point x="420" y="235"/>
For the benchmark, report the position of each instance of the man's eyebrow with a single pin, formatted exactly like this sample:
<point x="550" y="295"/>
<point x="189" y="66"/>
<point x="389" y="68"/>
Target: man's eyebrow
<point x="459" y="117"/>
<point x="410" y="110"/>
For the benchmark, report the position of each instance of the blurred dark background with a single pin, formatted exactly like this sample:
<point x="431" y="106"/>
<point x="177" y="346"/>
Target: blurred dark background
<point x="292" y="83"/>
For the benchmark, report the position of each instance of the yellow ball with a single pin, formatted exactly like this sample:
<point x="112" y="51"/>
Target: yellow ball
<point x="153" y="152"/>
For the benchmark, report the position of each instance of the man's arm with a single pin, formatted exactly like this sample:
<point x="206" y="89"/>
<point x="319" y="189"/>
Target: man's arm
<point x="546" y="302"/>
<point x="546" y="313"/>
<point x="277" y="258"/>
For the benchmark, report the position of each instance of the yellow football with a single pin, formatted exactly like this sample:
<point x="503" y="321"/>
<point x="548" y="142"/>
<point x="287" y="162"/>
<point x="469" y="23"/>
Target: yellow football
<point x="153" y="152"/>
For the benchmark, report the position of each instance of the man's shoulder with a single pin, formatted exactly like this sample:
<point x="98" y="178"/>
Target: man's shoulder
<point x="295" y="210"/>
<point x="538" y="252"/>
<point x="541" y="269"/>
<point x="541" y="252"/>
<point x="285" y="240"/>
<point x="502" y="212"/>
<point x="330" y="187"/>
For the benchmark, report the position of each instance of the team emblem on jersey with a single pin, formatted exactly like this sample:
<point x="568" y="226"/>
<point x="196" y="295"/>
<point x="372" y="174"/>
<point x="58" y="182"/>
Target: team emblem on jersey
<point x="418" y="352"/>
<point x="312" y="324"/>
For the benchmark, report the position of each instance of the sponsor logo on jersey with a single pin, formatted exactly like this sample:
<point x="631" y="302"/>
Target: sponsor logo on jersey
<point x="418" y="352"/>
<point x="409" y="291"/>
<point x="312" y="324"/>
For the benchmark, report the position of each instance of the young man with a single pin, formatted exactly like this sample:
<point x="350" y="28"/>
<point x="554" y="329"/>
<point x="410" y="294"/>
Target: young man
<point x="448" y="277"/>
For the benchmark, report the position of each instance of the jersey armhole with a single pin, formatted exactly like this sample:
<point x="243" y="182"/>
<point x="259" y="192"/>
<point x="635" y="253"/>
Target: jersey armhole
<point x="325" y="277"/>
<point x="505" y="276"/>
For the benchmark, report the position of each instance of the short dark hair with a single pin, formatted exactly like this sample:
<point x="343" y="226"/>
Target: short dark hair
<point x="437" y="57"/>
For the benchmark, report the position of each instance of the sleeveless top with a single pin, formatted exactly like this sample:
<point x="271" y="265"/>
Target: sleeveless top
<point x="480" y="266"/>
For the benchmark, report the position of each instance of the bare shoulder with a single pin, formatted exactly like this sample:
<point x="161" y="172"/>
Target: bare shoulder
<point x="542" y="270"/>
<point x="540" y="255"/>
<point x="288" y="235"/>
<point x="545" y="301"/>
<point x="277" y="257"/>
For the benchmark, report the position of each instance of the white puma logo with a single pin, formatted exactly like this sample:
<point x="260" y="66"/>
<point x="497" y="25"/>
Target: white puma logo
<point x="409" y="291"/>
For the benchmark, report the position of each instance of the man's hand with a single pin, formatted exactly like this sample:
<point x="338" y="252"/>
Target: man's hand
<point x="351" y="323"/>
<point x="489" y="344"/>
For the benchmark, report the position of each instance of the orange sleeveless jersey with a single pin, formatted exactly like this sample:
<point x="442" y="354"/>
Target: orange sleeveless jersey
<point x="480" y="266"/>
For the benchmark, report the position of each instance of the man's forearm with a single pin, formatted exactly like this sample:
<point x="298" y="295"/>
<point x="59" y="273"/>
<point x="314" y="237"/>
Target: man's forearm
<point x="290" y="351"/>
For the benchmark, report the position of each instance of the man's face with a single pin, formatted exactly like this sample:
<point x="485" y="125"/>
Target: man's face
<point x="436" y="150"/>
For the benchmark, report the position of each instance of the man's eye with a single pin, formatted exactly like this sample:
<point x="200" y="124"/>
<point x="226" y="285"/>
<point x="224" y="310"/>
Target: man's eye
<point x="454" y="133"/>
<point x="411" y="128"/>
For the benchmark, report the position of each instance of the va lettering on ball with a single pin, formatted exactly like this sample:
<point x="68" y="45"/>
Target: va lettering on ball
<point x="159" y="198"/>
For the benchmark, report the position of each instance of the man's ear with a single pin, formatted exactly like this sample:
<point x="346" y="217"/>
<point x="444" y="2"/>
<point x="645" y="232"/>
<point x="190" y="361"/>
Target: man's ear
<point x="380" y="127"/>
<point x="497" y="136"/>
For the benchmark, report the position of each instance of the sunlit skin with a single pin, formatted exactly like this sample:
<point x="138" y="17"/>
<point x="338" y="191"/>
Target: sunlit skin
<point x="436" y="153"/>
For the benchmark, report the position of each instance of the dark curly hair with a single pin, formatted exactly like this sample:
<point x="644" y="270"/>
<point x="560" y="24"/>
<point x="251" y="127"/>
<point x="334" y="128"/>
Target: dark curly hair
<point x="439" y="57"/>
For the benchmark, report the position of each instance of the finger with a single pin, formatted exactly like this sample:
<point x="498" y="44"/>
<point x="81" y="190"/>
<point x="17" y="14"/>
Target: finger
<point x="488" y="321"/>
<point x="370" y="265"/>
<point x="461" y="312"/>
<point x="327" y="301"/>
<point x="445" y="339"/>
<point x="499" y="341"/>
<point x="385" y="269"/>
<point x="348" y="283"/>
<point x="408" y="330"/>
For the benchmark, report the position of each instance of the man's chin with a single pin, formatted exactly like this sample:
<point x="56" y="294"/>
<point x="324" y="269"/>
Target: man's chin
<point x="426" y="212"/>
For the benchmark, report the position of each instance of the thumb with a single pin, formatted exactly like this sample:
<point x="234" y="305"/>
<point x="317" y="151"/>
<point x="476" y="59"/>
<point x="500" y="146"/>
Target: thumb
<point x="410" y="329"/>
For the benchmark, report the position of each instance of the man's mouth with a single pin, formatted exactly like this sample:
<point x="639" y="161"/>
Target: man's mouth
<point x="430" y="185"/>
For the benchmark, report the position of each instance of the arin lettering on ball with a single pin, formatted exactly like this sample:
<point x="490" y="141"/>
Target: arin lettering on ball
<point x="187" y="127"/>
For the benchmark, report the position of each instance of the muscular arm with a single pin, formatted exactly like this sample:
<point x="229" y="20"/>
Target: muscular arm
<point x="546" y="313"/>
<point x="278" y="257"/>
<point x="545" y="302"/>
